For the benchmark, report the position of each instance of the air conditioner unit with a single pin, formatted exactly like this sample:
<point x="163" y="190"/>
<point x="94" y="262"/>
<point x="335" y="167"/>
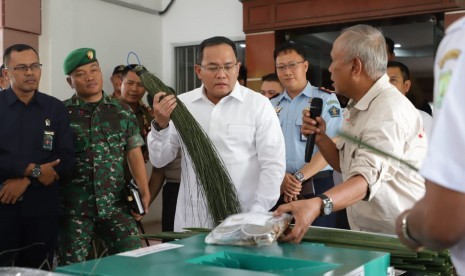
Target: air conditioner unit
<point x="150" y="6"/>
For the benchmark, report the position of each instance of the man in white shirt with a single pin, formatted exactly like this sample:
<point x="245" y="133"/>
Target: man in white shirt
<point x="438" y="220"/>
<point x="376" y="188"/>
<point x="399" y="76"/>
<point x="242" y="125"/>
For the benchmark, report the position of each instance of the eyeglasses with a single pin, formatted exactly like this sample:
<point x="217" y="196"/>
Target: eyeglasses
<point x="291" y="66"/>
<point x="23" y="68"/>
<point x="227" y="68"/>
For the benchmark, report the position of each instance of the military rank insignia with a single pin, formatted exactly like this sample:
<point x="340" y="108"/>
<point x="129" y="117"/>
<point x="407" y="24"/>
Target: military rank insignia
<point x="278" y="109"/>
<point x="334" y="112"/>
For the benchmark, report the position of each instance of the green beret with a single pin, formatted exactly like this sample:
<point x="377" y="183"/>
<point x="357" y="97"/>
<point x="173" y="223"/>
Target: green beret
<point x="78" y="58"/>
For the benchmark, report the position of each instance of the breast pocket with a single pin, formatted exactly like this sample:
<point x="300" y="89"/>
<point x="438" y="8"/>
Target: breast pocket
<point x="297" y="129"/>
<point x="114" y="138"/>
<point x="240" y="134"/>
<point x="347" y="152"/>
<point x="80" y="137"/>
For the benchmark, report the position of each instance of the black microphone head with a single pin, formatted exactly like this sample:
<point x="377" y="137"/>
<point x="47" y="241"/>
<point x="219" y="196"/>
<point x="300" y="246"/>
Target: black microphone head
<point x="316" y="107"/>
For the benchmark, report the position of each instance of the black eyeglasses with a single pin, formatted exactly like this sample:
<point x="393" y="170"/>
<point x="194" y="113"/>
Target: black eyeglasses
<point x="23" y="68"/>
<point x="291" y="66"/>
<point x="227" y="68"/>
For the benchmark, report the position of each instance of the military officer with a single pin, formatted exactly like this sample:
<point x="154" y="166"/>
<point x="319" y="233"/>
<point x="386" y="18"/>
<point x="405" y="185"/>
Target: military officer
<point x="291" y="67"/>
<point x="105" y="133"/>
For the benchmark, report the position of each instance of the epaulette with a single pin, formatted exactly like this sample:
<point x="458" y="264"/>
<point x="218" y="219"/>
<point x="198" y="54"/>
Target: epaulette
<point x="326" y="90"/>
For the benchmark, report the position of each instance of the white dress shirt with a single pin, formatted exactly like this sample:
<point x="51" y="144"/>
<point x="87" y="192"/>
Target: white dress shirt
<point x="445" y="163"/>
<point x="387" y="120"/>
<point x="246" y="132"/>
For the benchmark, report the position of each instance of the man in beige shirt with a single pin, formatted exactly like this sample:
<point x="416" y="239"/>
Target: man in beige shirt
<point x="376" y="188"/>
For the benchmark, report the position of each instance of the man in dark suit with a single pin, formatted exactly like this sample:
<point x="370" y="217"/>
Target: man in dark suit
<point x="36" y="150"/>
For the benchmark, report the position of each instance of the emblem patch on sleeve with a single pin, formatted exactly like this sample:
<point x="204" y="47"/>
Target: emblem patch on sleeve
<point x="334" y="112"/>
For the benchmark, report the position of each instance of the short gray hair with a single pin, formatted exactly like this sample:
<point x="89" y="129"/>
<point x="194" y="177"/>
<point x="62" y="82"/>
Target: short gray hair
<point x="366" y="43"/>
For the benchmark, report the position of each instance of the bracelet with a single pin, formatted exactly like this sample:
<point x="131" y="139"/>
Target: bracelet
<point x="405" y="231"/>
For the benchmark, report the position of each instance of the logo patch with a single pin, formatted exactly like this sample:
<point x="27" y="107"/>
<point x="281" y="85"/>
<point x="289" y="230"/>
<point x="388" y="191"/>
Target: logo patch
<point x="90" y="55"/>
<point x="444" y="80"/>
<point x="334" y="112"/>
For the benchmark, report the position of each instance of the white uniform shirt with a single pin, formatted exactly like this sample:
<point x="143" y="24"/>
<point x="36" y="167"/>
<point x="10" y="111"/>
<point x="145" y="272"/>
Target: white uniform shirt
<point x="427" y="122"/>
<point x="245" y="130"/>
<point x="445" y="162"/>
<point x="387" y="120"/>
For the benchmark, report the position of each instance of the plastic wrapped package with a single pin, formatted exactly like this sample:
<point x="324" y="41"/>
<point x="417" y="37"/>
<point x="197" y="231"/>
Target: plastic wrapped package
<point x="249" y="229"/>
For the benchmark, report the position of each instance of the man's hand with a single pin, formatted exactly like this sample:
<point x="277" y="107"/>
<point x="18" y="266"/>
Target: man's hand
<point x="13" y="189"/>
<point x="48" y="174"/>
<point x="145" y="197"/>
<point x="310" y="126"/>
<point x="305" y="212"/>
<point x="163" y="106"/>
<point x="290" y="187"/>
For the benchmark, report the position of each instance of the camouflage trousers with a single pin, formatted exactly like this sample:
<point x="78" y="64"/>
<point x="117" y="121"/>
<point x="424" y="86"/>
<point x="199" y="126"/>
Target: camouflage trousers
<point x="117" y="231"/>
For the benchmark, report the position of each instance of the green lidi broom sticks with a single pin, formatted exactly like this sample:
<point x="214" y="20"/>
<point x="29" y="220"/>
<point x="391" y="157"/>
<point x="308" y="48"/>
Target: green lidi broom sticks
<point x="375" y="149"/>
<point x="213" y="179"/>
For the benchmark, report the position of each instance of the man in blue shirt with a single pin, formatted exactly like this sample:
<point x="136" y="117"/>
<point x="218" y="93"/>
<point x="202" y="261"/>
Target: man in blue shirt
<point x="291" y="67"/>
<point x="36" y="150"/>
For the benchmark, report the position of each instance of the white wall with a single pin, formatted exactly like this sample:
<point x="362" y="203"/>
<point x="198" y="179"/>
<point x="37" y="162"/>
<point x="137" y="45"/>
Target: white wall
<point x="188" y="22"/>
<point x="113" y="31"/>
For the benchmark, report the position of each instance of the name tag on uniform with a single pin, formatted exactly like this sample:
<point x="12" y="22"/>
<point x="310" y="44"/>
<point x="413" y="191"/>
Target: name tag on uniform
<point x="48" y="140"/>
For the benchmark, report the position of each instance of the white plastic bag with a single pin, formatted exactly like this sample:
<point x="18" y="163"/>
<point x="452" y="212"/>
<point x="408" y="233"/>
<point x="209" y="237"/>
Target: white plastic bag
<point x="249" y="229"/>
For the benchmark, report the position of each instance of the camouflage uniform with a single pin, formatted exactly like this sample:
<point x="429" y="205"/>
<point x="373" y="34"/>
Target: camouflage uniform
<point x="144" y="121"/>
<point x="144" y="118"/>
<point x="93" y="197"/>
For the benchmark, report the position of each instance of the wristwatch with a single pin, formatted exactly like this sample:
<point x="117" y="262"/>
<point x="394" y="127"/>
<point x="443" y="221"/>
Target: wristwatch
<point x="36" y="171"/>
<point x="327" y="206"/>
<point x="156" y="126"/>
<point x="299" y="176"/>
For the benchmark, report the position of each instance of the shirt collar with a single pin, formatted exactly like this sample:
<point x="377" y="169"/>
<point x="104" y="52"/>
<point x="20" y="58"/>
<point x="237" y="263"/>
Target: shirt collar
<point x="372" y="93"/>
<point x="75" y="101"/>
<point x="236" y="93"/>
<point x="12" y="98"/>
<point x="307" y="91"/>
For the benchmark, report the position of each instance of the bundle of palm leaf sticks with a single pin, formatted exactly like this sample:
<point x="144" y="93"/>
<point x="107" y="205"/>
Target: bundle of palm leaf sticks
<point x="426" y="262"/>
<point x="212" y="176"/>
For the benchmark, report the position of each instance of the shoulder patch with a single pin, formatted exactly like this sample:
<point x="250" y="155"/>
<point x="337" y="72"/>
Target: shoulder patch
<point x="334" y="112"/>
<point x="332" y="102"/>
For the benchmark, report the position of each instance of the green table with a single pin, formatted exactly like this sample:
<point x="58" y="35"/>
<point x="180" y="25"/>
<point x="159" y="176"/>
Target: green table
<point x="194" y="257"/>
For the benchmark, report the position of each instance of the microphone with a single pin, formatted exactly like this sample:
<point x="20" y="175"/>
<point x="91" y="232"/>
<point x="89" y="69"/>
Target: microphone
<point x="316" y="106"/>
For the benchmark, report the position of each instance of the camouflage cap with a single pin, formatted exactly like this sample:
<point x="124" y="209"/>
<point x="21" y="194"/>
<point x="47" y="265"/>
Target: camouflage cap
<point x="78" y="57"/>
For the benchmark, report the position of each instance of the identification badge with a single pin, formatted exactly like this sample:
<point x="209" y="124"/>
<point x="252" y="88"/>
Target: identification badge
<point x="48" y="140"/>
